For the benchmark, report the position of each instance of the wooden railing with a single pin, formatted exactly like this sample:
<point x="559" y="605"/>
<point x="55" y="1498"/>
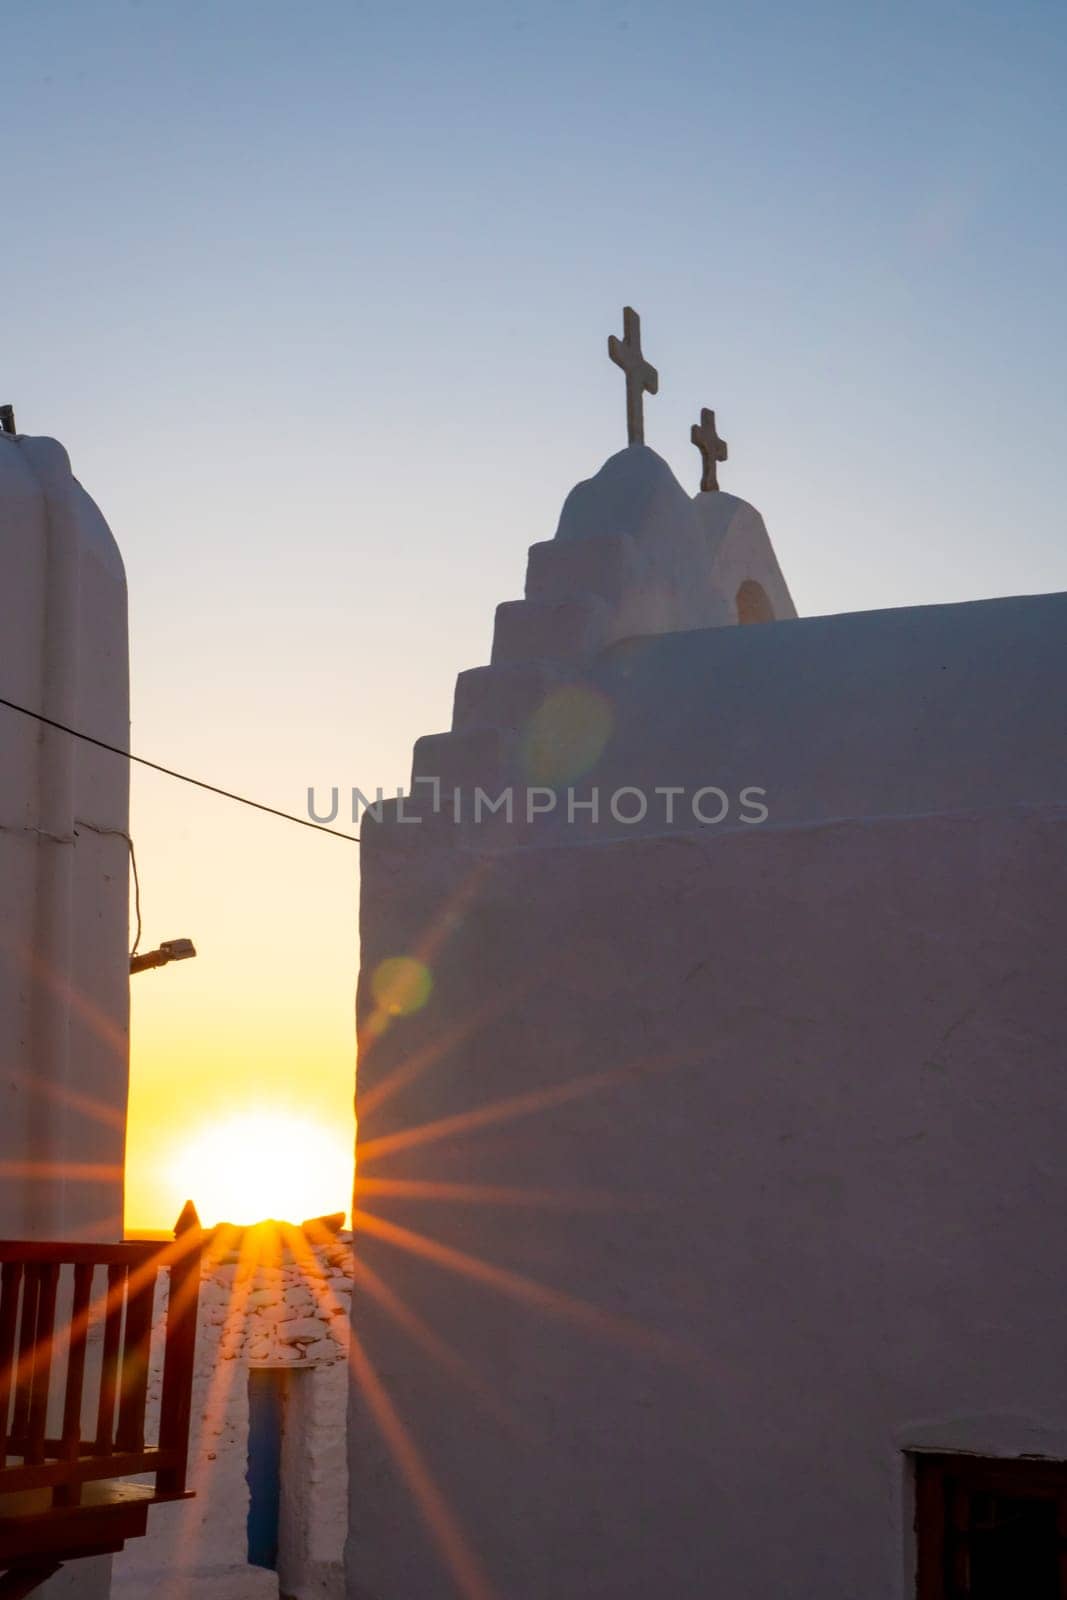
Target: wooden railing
<point x="75" y="1341"/>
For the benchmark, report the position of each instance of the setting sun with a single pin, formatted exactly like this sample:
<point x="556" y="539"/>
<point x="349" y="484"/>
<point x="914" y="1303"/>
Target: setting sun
<point x="264" y="1164"/>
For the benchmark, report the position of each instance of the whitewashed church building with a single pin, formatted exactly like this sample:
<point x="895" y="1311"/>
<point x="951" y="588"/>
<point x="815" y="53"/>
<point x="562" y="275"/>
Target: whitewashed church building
<point x="712" y="1104"/>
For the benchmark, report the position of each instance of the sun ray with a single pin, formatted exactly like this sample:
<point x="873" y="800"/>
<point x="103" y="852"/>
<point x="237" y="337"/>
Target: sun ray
<point x="440" y="1045"/>
<point x="555" y="1302"/>
<point x="378" y="1021"/>
<point x="297" y="1240"/>
<point x="455" y="1550"/>
<point x="520" y="1105"/>
<point x="98" y="1307"/>
<point x="220" y="1383"/>
<point x="67" y="992"/>
<point x="502" y="1195"/>
<point x="83" y="1171"/>
<point x="95" y="1109"/>
<point x="408" y="1070"/>
<point x="440" y="1351"/>
<point x="515" y="1106"/>
<point x="444" y="1042"/>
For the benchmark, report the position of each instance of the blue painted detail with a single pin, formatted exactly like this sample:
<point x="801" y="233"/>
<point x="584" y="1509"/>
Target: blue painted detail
<point x="266" y="1396"/>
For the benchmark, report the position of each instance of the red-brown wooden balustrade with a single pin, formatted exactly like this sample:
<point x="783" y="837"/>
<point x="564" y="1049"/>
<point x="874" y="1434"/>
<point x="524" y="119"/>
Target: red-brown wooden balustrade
<point x="71" y="1428"/>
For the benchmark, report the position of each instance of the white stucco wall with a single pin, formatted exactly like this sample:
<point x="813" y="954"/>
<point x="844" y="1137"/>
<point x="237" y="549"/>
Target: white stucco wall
<point x="64" y="973"/>
<point x="256" y="1312"/>
<point x="722" y="1162"/>
<point x="810" y="1082"/>
<point x="901" y="712"/>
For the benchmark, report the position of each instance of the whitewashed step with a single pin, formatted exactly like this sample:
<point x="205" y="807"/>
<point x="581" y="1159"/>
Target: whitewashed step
<point x="504" y="696"/>
<point x="609" y="566"/>
<point x="458" y="760"/>
<point x="565" y="632"/>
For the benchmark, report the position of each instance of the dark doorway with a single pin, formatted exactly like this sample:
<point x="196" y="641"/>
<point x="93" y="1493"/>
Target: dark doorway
<point x="266" y="1412"/>
<point x="991" y="1530"/>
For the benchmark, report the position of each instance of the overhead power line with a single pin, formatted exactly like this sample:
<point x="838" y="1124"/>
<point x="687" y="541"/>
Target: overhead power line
<point x="182" y="777"/>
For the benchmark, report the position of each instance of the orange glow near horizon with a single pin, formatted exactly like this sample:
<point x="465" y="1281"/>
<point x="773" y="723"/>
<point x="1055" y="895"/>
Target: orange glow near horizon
<point x="263" y="1163"/>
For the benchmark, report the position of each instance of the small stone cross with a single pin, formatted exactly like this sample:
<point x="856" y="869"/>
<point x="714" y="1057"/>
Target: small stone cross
<point x="711" y="447"/>
<point x="626" y="353"/>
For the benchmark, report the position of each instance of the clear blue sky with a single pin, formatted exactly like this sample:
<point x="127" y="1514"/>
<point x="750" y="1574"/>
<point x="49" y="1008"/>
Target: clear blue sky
<point x="317" y="297"/>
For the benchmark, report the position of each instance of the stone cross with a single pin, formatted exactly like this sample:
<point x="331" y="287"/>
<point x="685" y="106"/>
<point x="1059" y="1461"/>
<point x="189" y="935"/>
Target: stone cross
<point x="711" y="447"/>
<point x="626" y="353"/>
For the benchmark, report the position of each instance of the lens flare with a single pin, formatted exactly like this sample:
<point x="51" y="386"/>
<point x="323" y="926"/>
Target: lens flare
<point x="566" y="736"/>
<point x="401" y="985"/>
